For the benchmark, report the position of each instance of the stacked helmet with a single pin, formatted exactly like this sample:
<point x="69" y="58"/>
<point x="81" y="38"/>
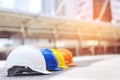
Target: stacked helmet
<point x="67" y="57"/>
<point x="26" y="57"/>
<point x="51" y="61"/>
<point x="60" y="59"/>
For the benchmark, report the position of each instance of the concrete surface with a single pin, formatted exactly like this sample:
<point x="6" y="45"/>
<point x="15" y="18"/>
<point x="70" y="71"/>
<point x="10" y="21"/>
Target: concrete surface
<point x="106" y="67"/>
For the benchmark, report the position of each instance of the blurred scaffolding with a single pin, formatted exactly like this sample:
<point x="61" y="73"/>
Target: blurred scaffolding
<point x="73" y="24"/>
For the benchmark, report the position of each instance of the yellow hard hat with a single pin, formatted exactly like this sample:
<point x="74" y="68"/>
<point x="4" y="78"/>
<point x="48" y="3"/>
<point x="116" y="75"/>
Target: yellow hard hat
<point x="60" y="59"/>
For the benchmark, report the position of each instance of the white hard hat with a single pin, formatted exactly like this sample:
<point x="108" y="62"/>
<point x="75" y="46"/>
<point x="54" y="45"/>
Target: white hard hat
<point x="27" y="56"/>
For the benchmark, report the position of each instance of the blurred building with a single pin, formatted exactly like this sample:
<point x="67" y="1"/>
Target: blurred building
<point x="115" y="11"/>
<point x="48" y="7"/>
<point x="79" y="9"/>
<point x="98" y="5"/>
<point x="104" y="10"/>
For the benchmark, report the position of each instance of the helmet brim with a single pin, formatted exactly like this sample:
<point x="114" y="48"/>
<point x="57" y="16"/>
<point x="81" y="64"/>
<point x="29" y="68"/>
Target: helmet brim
<point x="45" y="72"/>
<point x="57" y="69"/>
<point x="64" y="67"/>
<point x="72" y="64"/>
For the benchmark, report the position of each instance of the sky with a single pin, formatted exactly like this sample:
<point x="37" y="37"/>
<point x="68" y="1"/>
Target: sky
<point x="34" y="5"/>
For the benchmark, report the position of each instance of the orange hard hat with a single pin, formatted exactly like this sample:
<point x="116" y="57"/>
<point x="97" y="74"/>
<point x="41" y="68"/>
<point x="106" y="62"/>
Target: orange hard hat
<point x="67" y="57"/>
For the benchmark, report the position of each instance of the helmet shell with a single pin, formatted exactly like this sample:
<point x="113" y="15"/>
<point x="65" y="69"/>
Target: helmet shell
<point x="60" y="59"/>
<point x="50" y="59"/>
<point x="27" y="56"/>
<point x="67" y="57"/>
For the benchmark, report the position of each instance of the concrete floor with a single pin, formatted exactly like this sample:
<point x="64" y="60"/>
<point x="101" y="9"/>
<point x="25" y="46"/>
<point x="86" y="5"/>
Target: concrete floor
<point x="106" y="67"/>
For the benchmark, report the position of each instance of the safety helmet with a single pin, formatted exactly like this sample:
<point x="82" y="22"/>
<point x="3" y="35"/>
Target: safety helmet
<point x="51" y="61"/>
<point x="26" y="59"/>
<point x="67" y="57"/>
<point x="60" y="59"/>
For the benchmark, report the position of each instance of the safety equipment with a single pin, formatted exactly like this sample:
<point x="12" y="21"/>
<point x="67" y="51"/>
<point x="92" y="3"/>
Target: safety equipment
<point x="51" y="61"/>
<point x="60" y="59"/>
<point x="26" y="59"/>
<point x="67" y="57"/>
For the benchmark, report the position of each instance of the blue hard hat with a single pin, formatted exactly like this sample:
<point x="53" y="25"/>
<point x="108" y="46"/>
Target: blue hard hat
<point x="50" y="59"/>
